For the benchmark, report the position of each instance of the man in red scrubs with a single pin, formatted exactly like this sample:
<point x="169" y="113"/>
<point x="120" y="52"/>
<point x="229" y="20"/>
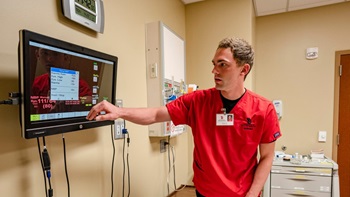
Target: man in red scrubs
<point x="225" y="162"/>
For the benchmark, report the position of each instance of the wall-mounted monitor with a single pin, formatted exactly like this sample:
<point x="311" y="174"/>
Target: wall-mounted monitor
<point x="59" y="83"/>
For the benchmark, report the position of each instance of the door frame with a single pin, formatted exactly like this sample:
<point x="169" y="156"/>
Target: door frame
<point x="338" y="55"/>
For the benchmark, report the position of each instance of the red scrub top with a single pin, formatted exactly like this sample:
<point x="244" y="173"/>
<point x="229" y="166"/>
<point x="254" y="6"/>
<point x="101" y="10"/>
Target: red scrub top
<point x="225" y="157"/>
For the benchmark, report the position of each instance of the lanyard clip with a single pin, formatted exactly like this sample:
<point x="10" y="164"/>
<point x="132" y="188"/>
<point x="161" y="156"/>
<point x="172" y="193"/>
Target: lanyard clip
<point x="223" y="110"/>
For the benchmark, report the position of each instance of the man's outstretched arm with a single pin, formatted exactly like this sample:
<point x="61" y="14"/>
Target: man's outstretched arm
<point x="142" y="116"/>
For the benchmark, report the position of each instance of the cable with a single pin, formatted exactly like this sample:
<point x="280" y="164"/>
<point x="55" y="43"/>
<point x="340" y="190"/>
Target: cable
<point x="126" y="133"/>
<point x="113" y="158"/>
<point x="172" y="150"/>
<point x="123" y="166"/>
<point x="65" y="163"/>
<point x="13" y="99"/>
<point x="173" y="167"/>
<point x="47" y="167"/>
<point x="6" y="102"/>
<point x="169" y="167"/>
<point x="174" y="156"/>
<point x="44" y="141"/>
<point x="127" y="162"/>
<point x="42" y="164"/>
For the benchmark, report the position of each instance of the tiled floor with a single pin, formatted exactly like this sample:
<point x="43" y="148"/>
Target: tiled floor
<point x="188" y="191"/>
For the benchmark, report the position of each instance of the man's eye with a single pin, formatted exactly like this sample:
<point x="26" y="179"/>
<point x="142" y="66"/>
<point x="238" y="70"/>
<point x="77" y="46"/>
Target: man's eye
<point x="222" y="64"/>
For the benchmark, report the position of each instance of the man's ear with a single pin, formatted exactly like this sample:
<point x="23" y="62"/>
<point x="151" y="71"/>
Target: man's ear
<point x="245" y="69"/>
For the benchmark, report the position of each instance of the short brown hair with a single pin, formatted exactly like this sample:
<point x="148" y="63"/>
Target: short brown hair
<point x="242" y="51"/>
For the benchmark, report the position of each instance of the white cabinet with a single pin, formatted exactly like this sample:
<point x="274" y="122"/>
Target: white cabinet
<point x="166" y="65"/>
<point x="314" y="179"/>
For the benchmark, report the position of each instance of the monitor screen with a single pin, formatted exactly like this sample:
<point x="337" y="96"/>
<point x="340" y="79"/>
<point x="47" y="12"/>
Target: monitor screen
<point x="59" y="83"/>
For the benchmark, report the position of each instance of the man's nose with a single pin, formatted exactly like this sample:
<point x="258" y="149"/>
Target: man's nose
<point x="214" y="70"/>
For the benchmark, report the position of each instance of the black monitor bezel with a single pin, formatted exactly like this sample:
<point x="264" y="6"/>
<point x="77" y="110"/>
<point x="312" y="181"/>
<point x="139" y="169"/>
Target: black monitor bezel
<point x="52" y="127"/>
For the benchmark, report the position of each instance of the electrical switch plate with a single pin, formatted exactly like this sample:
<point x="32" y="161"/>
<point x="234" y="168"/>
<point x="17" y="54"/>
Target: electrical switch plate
<point x="119" y="124"/>
<point x="322" y="136"/>
<point x="153" y="70"/>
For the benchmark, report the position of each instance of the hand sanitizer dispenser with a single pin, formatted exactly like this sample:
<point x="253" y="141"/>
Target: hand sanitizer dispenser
<point x="278" y="108"/>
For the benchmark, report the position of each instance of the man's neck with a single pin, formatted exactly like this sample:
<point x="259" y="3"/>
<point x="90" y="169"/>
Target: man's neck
<point x="233" y="94"/>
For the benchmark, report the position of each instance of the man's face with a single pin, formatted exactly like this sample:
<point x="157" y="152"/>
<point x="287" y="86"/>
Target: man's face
<point x="227" y="74"/>
<point x="50" y="59"/>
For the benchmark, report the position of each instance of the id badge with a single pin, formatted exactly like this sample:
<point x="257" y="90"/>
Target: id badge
<point x="224" y="119"/>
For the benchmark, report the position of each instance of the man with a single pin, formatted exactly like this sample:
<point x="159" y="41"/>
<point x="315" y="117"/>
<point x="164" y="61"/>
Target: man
<point x="225" y="153"/>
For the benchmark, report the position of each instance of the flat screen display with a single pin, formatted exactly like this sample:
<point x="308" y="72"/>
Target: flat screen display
<point x="59" y="83"/>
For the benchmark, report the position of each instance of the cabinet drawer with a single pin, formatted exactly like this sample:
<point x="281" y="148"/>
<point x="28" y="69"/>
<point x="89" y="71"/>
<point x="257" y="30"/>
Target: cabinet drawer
<point x="301" y="182"/>
<point x="294" y="193"/>
<point x="302" y="170"/>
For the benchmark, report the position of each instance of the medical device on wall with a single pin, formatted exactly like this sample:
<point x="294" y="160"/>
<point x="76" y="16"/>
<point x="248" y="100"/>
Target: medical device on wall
<point x="311" y="53"/>
<point x="59" y="84"/>
<point x="165" y="61"/>
<point x="89" y="13"/>
<point x="278" y="107"/>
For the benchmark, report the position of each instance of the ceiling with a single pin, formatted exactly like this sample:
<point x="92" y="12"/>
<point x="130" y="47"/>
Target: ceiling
<point x="268" y="7"/>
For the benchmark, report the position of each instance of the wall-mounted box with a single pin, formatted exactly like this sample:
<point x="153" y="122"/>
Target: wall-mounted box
<point x="165" y="62"/>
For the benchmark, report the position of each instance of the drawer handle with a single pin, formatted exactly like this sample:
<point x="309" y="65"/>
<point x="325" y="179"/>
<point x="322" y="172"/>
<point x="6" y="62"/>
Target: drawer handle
<point x="300" y="179"/>
<point x="275" y="187"/>
<point x="298" y="188"/>
<point x="299" y="193"/>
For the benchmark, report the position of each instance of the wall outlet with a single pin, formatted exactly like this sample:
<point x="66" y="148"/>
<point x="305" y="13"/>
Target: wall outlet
<point x="118" y="129"/>
<point x="119" y="124"/>
<point x="163" y="144"/>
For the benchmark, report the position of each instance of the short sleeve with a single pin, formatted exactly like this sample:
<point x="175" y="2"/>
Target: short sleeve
<point x="179" y="109"/>
<point x="271" y="128"/>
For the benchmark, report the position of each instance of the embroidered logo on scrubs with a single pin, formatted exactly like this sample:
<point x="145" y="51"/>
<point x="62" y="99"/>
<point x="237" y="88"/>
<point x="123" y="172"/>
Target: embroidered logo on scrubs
<point x="249" y="121"/>
<point x="276" y="134"/>
<point x="249" y="125"/>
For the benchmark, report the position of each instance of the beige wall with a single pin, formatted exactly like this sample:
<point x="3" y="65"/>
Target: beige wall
<point x="89" y="151"/>
<point x="280" y="72"/>
<point x="306" y="87"/>
<point x="208" y="22"/>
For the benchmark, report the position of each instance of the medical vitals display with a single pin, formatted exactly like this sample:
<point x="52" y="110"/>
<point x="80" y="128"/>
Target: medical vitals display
<point x="59" y="83"/>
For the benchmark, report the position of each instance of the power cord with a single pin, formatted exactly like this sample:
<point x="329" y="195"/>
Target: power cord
<point x="113" y="159"/>
<point x="174" y="156"/>
<point x="173" y="167"/>
<point x="126" y="133"/>
<point x="13" y="99"/>
<point x="42" y="164"/>
<point x="65" y="163"/>
<point x="169" y="167"/>
<point x="47" y="167"/>
<point x="127" y="162"/>
<point x="172" y="150"/>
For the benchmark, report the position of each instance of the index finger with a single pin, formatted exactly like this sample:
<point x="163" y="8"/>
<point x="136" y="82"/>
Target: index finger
<point x="95" y="110"/>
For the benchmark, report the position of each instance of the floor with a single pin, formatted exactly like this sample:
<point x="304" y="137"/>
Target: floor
<point x="188" y="191"/>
